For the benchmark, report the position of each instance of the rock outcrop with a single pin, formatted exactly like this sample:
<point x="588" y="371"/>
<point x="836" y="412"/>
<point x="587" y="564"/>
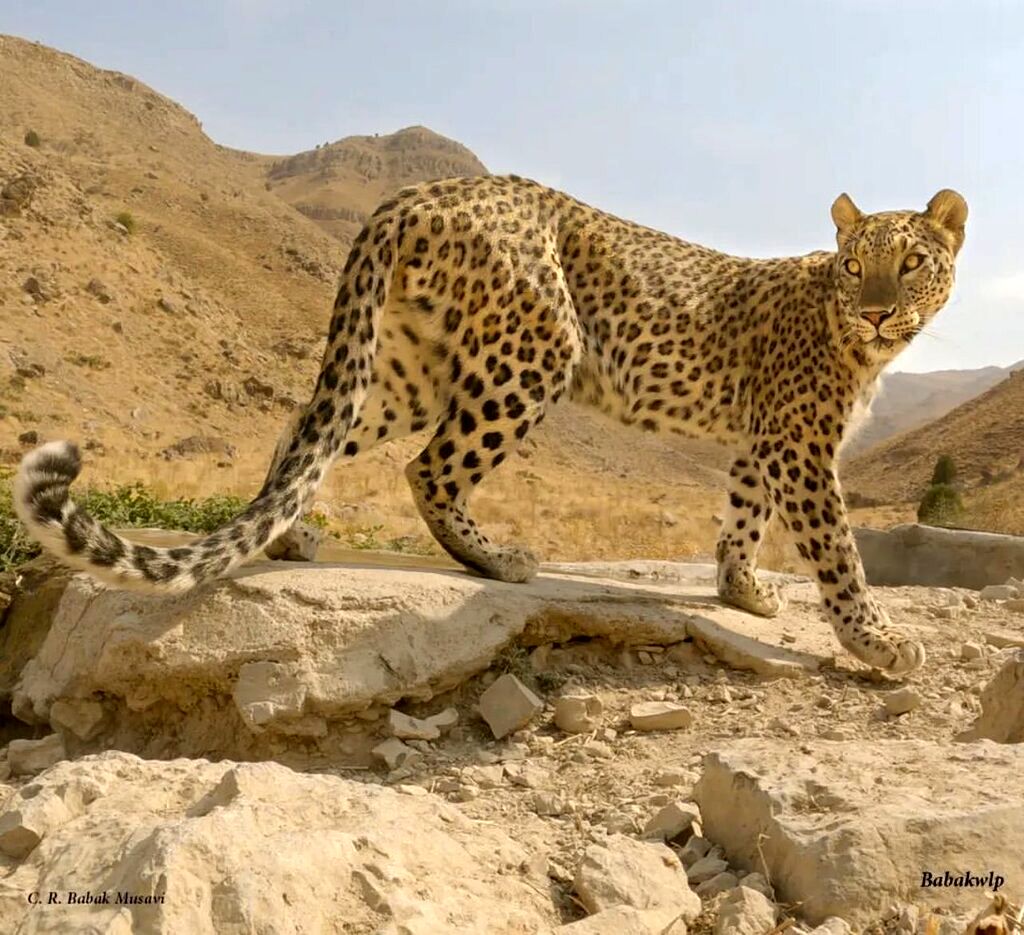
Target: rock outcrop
<point x="199" y="847"/>
<point x="850" y="828"/>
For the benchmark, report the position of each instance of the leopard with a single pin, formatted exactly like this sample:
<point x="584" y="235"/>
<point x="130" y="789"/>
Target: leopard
<point x="468" y="307"/>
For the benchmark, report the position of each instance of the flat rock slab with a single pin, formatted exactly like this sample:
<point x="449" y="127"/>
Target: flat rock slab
<point x="849" y="828"/>
<point x="289" y="646"/>
<point x="204" y="848"/>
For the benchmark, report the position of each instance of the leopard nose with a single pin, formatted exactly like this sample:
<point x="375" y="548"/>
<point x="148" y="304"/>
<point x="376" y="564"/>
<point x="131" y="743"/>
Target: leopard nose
<point x="875" y="317"/>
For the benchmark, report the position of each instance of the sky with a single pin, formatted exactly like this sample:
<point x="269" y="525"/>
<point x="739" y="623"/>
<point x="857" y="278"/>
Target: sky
<point x="732" y="124"/>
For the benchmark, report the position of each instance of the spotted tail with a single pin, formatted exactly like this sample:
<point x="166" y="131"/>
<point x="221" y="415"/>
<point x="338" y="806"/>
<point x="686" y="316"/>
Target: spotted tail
<point x="41" y="487"/>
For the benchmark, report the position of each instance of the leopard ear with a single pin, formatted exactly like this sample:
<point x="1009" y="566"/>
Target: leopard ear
<point x="846" y="216"/>
<point x="949" y="210"/>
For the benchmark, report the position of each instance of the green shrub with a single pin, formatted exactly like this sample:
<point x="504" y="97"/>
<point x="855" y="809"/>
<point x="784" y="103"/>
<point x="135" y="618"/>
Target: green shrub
<point x="945" y="471"/>
<point x="127" y="505"/>
<point x="940" y="506"/>
<point x="126" y="220"/>
<point x="32" y="139"/>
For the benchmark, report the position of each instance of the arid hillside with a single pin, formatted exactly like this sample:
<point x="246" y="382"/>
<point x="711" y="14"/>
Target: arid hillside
<point x="156" y="287"/>
<point x="985" y="438"/>
<point x="907" y="401"/>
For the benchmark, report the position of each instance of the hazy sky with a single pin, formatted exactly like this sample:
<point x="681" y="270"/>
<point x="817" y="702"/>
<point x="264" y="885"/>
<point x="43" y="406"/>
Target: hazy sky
<point x="734" y="124"/>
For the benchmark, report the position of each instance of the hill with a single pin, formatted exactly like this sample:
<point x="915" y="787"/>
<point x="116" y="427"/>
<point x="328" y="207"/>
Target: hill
<point x="984" y="436"/>
<point x="156" y="288"/>
<point x="906" y="401"/>
<point x="339" y="184"/>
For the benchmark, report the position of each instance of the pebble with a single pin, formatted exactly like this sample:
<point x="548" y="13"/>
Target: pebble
<point x="673" y="776"/>
<point x="550" y="804"/>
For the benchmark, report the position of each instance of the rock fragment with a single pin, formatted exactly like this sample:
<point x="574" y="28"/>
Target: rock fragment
<point x="78" y="716"/>
<point x="745" y="912"/>
<point x="998" y="592"/>
<point x="508" y="705"/>
<point x="902" y="701"/>
<point x="395" y="753"/>
<point x="578" y="714"/>
<point x="33" y="756"/>
<point x="677" y="821"/>
<point x="627" y="872"/>
<point x="1002" y="704"/>
<point x="405" y="727"/>
<point x="659" y="715"/>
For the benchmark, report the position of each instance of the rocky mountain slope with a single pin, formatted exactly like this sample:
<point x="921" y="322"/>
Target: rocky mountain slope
<point x="907" y="401"/>
<point x="984" y="436"/>
<point x="203" y="315"/>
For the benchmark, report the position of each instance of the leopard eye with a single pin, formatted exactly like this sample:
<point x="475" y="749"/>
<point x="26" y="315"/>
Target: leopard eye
<point x="911" y="263"/>
<point x="852" y="267"/>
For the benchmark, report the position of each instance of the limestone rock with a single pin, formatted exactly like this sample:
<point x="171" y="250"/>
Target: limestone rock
<point x="405" y="727"/>
<point x="913" y="554"/>
<point x="395" y="753"/>
<point x="32" y="756"/>
<point x="719" y="883"/>
<point x="659" y="715"/>
<point x="444" y="720"/>
<point x="833" y="925"/>
<point x="296" y="646"/>
<point x="745" y="912"/>
<point x="625" y="920"/>
<point x="627" y="872"/>
<point x="79" y="716"/>
<point x="849" y="828"/>
<point x="902" y="700"/>
<point x="1002" y="704"/>
<point x="998" y="592"/>
<point x="705" y="868"/>
<point x="578" y="714"/>
<point x="508" y="705"/>
<point x="31" y="814"/>
<point x="258" y="848"/>
<point x="677" y="821"/>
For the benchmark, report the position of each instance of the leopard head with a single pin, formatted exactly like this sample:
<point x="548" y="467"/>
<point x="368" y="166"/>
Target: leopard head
<point x="893" y="271"/>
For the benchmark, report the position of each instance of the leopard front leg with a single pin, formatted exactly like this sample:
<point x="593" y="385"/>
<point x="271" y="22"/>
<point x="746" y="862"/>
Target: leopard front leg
<point x="805" y="493"/>
<point x="746" y="519"/>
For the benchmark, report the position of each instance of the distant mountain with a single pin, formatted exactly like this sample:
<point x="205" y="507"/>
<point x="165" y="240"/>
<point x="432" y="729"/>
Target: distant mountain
<point x="339" y="184"/>
<point x="909" y="400"/>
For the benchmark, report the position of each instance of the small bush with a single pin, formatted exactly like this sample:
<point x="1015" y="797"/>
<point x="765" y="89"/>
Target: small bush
<point x="945" y="471"/>
<point x="940" y="506"/>
<point x="32" y="139"/>
<point x="127" y="505"/>
<point x="127" y="221"/>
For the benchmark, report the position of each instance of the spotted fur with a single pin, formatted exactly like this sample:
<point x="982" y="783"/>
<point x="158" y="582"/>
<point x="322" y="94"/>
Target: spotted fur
<point x="469" y="306"/>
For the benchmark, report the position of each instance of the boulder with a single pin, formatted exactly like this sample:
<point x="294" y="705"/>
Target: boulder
<point x="745" y="912"/>
<point x="848" y="829"/>
<point x="946" y="558"/>
<point x="1002" y="704"/>
<point x="205" y="848"/>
